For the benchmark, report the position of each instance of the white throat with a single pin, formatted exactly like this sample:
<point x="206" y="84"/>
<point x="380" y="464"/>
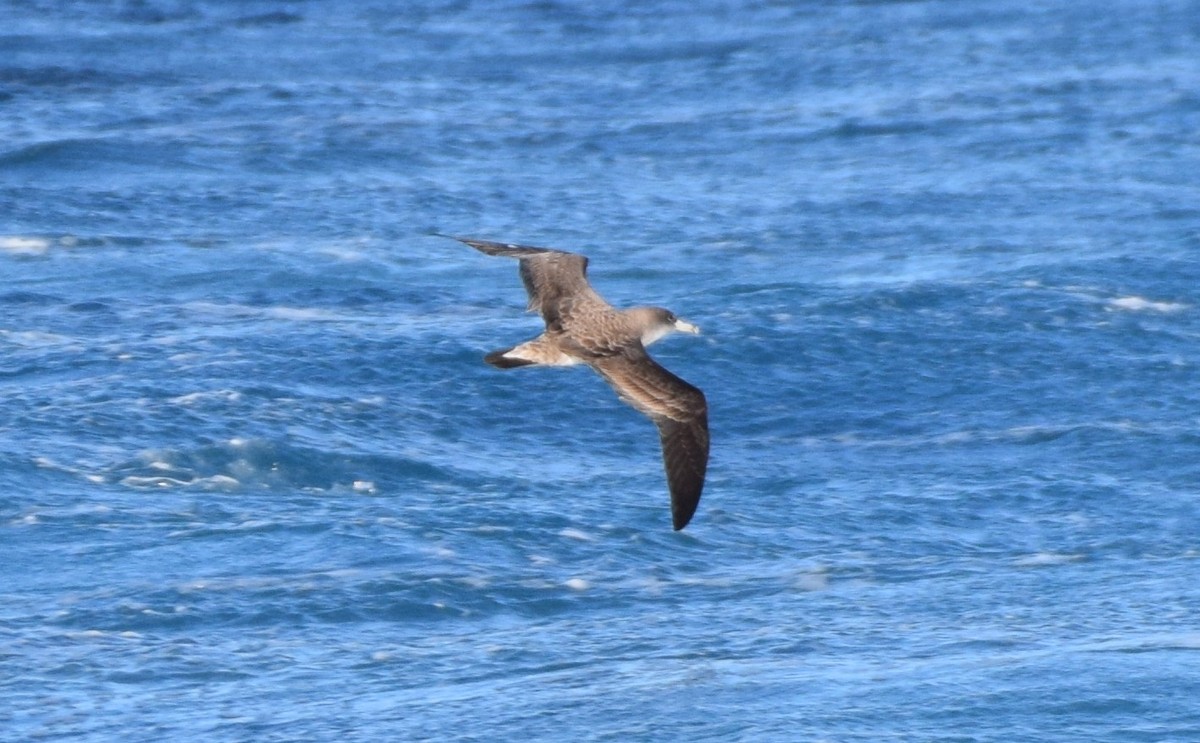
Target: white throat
<point x="656" y="333"/>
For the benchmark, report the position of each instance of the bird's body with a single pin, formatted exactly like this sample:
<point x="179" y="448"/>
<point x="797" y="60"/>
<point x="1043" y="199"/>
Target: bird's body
<point x="582" y="328"/>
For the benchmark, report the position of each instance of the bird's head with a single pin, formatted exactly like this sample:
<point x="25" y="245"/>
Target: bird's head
<point x="657" y="323"/>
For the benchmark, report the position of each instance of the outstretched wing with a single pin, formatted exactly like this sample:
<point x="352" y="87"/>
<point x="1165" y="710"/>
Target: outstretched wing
<point x="681" y="414"/>
<point x="555" y="280"/>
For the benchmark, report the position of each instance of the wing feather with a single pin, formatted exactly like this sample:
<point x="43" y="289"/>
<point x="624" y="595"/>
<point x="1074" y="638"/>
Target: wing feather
<point x="681" y="413"/>
<point x="555" y="280"/>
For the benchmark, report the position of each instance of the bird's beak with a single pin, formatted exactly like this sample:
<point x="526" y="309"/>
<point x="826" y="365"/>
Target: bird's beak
<point x="686" y="327"/>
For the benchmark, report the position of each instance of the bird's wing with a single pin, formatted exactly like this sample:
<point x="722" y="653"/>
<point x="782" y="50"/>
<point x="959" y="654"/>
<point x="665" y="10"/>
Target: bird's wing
<point x="555" y="280"/>
<point x="681" y="414"/>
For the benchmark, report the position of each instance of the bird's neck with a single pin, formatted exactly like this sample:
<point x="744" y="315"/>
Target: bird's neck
<point x="656" y="333"/>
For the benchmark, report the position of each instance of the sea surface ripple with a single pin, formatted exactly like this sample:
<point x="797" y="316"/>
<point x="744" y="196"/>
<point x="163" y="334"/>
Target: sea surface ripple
<point x="256" y="483"/>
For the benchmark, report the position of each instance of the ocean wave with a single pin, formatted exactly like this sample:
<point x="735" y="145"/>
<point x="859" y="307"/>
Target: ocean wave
<point x="1141" y="304"/>
<point x="73" y="156"/>
<point x="238" y="464"/>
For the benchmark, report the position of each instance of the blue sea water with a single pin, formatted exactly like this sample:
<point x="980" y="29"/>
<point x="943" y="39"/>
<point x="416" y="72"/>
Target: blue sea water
<point x="256" y="483"/>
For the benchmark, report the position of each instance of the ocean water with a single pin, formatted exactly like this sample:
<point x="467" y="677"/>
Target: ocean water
<point x="256" y="483"/>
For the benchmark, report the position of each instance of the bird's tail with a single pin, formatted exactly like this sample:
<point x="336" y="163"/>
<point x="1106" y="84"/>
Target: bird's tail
<point x="537" y="352"/>
<point x="499" y="360"/>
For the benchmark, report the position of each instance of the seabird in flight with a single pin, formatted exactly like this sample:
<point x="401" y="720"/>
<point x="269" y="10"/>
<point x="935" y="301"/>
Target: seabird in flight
<point x="582" y="328"/>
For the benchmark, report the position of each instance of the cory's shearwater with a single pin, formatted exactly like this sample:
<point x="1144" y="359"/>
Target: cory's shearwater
<point x="582" y="328"/>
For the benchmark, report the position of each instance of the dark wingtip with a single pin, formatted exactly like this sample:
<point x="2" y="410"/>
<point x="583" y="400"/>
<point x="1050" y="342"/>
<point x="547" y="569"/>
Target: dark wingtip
<point x="680" y="520"/>
<point x="685" y="459"/>
<point x="684" y="507"/>
<point x="474" y="243"/>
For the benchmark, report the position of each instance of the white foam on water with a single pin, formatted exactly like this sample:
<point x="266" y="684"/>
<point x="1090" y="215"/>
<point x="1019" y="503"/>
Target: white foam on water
<point x="140" y="482"/>
<point x="194" y="397"/>
<point x="35" y="338"/>
<point x="1046" y="559"/>
<point x="816" y="579"/>
<point x="576" y="534"/>
<point x="146" y="482"/>
<point x="236" y="311"/>
<point x="1141" y="304"/>
<point x="305" y="314"/>
<point x="19" y="245"/>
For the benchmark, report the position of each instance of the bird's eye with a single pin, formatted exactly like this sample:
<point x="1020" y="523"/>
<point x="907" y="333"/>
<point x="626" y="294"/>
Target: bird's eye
<point x="671" y="318"/>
